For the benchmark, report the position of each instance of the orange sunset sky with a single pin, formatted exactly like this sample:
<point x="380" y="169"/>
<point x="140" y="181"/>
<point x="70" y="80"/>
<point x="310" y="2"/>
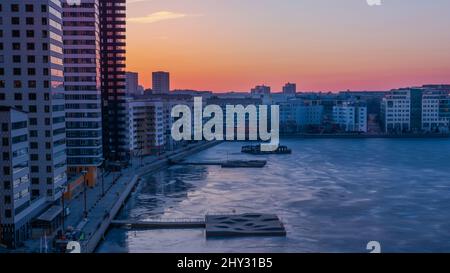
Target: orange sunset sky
<point x="322" y="45"/>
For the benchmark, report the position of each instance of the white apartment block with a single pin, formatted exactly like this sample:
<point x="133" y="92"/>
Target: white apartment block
<point x="31" y="79"/>
<point x="350" y="117"/>
<point x="145" y="127"/>
<point x="16" y="206"/>
<point x="434" y="117"/>
<point x="82" y="87"/>
<point x="396" y="111"/>
<point x="424" y="109"/>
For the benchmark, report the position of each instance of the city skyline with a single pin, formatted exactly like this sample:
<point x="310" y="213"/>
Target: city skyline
<point x="323" y="45"/>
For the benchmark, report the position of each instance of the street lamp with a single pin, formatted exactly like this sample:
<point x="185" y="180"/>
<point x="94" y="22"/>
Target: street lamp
<point x="103" y="172"/>
<point x="64" y="189"/>
<point x="84" y="172"/>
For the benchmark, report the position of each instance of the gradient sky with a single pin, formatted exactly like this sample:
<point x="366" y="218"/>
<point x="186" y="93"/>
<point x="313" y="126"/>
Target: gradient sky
<point x="322" y="45"/>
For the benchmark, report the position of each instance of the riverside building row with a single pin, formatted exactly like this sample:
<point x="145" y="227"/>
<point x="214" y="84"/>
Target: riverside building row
<point x="62" y="70"/>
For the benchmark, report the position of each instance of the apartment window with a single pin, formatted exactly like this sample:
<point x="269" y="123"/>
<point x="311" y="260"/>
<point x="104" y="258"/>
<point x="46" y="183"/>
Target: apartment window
<point x="49" y="169"/>
<point x="31" y="84"/>
<point x="30" y="46"/>
<point x="34" y="157"/>
<point x="5" y="127"/>
<point x="17" y="71"/>
<point x="29" y="8"/>
<point x="30" y="33"/>
<point x="45" y="72"/>
<point x="30" y="21"/>
<point x="44" y="34"/>
<point x="33" y="133"/>
<point x="33" y="145"/>
<point x="15" y="8"/>
<point x="15" y="33"/>
<point x="16" y="46"/>
<point x="6" y="170"/>
<point x="32" y="96"/>
<point x="49" y="180"/>
<point x="31" y="59"/>
<point x="1" y="45"/>
<point x="17" y="84"/>
<point x="48" y="157"/>
<point x="34" y="169"/>
<point x="15" y="21"/>
<point x="31" y="71"/>
<point x="43" y="8"/>
<point x="8" y="213"/>
<point x="35" y="181"/>
<point x="5" y="141"/>
<point x="35" y="193"/>
<point x="7" y="199"/>
<point x="5" y="156"/>
<point x="17" y="96"/>
<point x="44" y="46"/>
<point x="16" y="59"/>
<point x="44" y="21"/>
<point x="33" y="121"/>
<point x="7" y="185"/>
<point x="32" y="108"/>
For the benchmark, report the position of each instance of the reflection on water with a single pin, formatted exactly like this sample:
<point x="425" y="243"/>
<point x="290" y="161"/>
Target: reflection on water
<point x="334" y="195"/>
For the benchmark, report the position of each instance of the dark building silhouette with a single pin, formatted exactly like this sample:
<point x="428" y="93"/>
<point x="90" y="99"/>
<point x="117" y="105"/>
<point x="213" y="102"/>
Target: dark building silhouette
<point x="112" y="38"/>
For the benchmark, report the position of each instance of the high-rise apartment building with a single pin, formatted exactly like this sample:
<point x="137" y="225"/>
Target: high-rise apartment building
<point x="81" y="35"/>
<point x="132" y="84"/>
<point x="16" y="207"/>
<point x="112" y="40"/>
<point x="161" y="82"/>
<point x="146" y="126"/>
<point x="290" y="88"/>
<point x="31" y="80"/>
<point x="260" y="90"/>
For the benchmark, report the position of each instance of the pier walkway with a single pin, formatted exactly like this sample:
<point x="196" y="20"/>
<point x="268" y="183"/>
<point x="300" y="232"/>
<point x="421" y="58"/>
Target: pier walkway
<point x="161" y="223"/>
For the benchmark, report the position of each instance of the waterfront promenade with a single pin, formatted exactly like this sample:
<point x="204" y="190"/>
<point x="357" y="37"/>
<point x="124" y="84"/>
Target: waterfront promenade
<point x="103" y="209"/>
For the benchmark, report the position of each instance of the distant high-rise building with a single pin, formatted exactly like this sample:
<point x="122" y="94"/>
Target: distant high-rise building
<point x="32" y="81"/>
<point x="112" y="40"/>
<point x="161" y="82"/>
<point x="82" y="87"/>
<point x="261" y="90"/>
<point x="132" y="84"/>
<point x="290" y="88"/>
